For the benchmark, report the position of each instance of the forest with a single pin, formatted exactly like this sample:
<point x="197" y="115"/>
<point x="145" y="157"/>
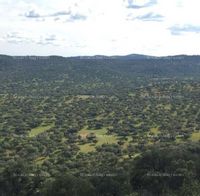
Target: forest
<point x="99" y="126"/>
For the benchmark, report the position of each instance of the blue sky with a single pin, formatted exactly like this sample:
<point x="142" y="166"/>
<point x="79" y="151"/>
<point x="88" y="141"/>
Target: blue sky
<point x="107" y="27"/>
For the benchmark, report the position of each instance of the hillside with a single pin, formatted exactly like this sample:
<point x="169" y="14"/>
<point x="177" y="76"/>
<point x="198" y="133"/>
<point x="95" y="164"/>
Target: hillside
<point x="74" y="75"/>
<point x="89" y="126"/>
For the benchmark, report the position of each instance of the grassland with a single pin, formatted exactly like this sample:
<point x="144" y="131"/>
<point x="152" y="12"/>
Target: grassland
<point x="36" y="131"/>
<point x="101" y="136"/>
<point x="155" y="130"/>
<point x="195" y="136"/>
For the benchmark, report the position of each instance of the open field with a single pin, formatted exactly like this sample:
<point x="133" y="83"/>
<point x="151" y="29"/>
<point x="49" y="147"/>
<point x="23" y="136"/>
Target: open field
<point x="34" y="132"/>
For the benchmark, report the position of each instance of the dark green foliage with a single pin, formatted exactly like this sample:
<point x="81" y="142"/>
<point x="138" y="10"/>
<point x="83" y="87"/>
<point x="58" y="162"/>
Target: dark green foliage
<point x="20" y="179"/>
<point x="68" y="185"/>
<point x="168" y="169"/>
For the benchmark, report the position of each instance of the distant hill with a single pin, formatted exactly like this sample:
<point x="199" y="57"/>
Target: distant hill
<point x="130" y="56"/>
<point x="91" y="75"/>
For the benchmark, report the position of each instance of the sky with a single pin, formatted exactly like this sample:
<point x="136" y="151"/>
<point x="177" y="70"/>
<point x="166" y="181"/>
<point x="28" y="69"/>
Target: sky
<point x="99" y="27"/>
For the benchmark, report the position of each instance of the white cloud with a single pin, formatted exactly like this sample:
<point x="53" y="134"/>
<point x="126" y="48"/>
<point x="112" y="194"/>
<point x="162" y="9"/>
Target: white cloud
<point x="88" y="27"/>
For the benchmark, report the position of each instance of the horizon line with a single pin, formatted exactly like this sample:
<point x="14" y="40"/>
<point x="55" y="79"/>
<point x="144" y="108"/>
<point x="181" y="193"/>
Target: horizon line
<point x="101" y="55"/>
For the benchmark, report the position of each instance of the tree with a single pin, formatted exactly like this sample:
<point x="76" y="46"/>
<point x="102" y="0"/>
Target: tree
<point x="158" y="172"/>
<point x="68" y="185"/>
